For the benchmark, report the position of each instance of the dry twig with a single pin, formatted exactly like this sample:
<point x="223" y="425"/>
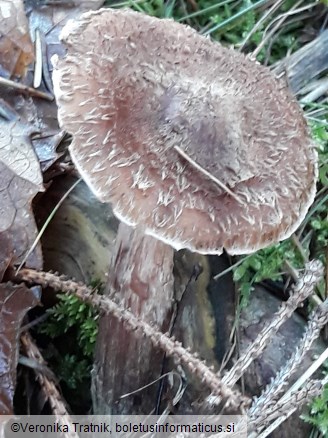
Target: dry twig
<point x="48" y="387"/>
<point x="25" y="89"/>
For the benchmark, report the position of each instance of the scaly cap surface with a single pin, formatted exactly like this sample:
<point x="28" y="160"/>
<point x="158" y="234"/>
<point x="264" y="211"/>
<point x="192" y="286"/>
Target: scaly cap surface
<point x="202" y="147"/>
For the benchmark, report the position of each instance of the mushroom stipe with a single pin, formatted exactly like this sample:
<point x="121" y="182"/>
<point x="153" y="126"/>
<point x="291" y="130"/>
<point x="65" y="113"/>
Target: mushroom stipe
<point x="189" y="140"/>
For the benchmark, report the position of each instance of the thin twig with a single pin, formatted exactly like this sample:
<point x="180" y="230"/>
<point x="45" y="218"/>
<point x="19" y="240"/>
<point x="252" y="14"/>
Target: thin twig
<point x="25" y="89"/>
<point x="276" y="5"/>
<point x="226" y="271"/>
<point x="37" y="79"/>
<point x="208" y="174"/>
<point x="280" y="19"/>
<point x="47" y="385"/>
<point x="239" y="14"/>
<point x="205" y="10"/>
<point x="52" y="214"/>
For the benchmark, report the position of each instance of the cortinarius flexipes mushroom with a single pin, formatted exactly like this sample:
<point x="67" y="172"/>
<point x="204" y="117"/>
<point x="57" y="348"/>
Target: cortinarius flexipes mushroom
<point x="191" y="143"/>
<point x="200" y="146"/>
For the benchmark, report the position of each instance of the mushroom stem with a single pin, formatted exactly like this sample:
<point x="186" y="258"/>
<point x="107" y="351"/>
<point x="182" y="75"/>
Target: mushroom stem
<point x="141" y="276"/>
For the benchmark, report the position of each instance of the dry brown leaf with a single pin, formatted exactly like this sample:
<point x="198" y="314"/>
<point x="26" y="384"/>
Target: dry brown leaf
<point x="41" y="117"/>
<point x="20" y="181"/>
<point x="17" y="153"/>
<point x="15" y="302"/>
<point x="16" y="48"/>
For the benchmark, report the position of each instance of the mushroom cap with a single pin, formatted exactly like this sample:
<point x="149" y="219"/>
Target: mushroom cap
<point x="160" y="114"/>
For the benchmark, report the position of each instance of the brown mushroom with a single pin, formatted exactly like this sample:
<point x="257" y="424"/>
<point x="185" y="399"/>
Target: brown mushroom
<point x="191" y="142"/>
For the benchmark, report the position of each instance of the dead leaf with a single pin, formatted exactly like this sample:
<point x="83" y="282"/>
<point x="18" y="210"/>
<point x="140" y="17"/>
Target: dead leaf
<point x="20" y="181"/>
<point x="41" y="116"/>
<point x="5" y="254"/>
<point x="15" y="302"/>
<point x="45" y="146"/>
<point x="17" y="153"/>
<point x="16" y="48"/>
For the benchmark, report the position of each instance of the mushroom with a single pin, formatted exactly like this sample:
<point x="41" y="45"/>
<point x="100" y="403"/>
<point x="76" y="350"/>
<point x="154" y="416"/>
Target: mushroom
<point x="191" y="142"/>
<point x="159" y="114"/>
